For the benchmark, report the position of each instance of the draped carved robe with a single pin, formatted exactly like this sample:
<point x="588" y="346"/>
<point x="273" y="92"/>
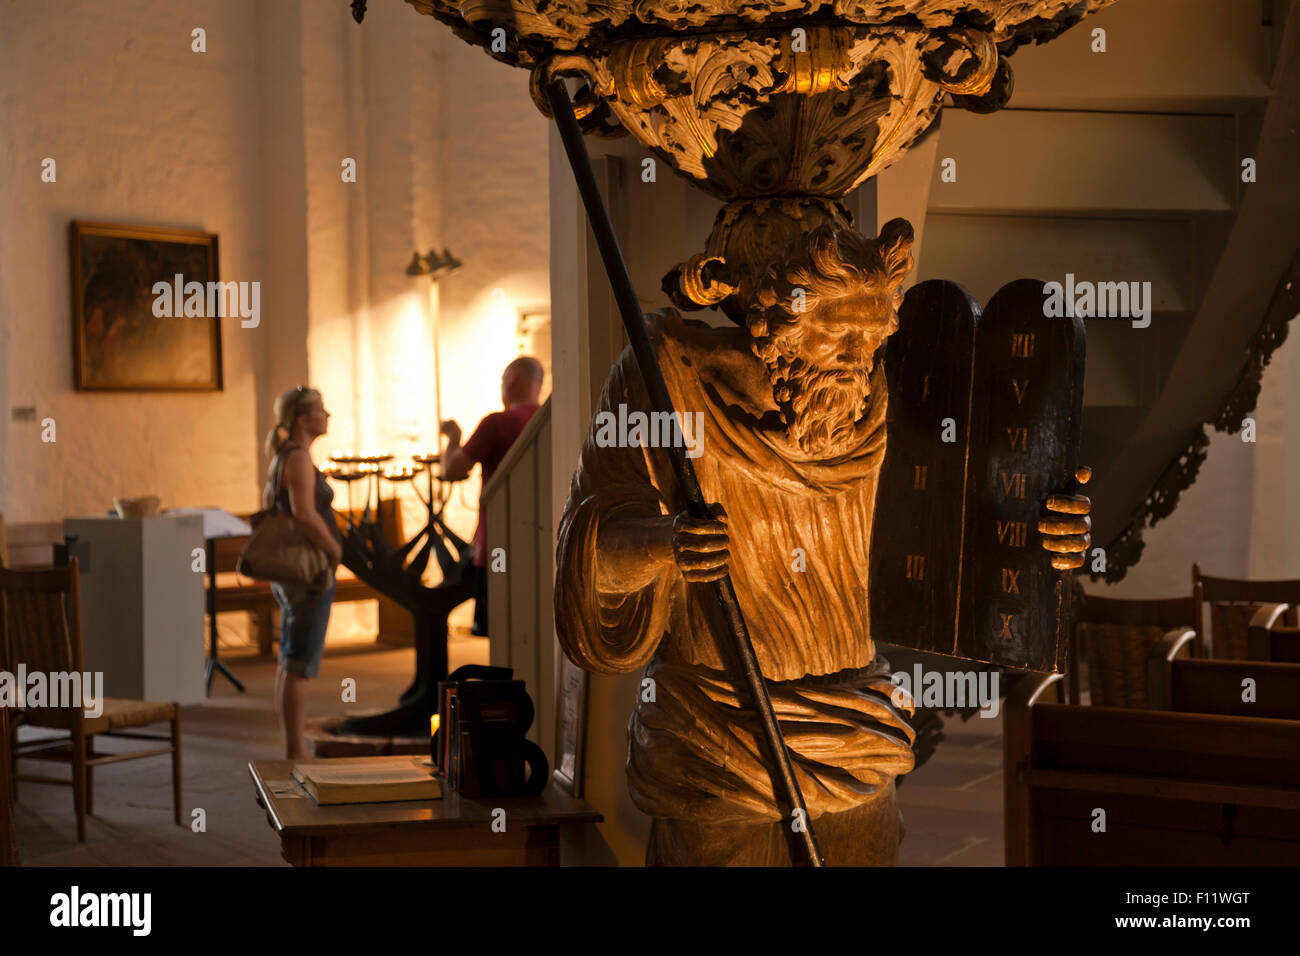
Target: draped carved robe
<point x="800" y="537"/>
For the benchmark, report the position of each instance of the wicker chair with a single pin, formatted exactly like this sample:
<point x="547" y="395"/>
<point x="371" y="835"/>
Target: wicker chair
<point x="1232" y="603"/>
<point x="41" y="627"/>
<point x="1115" y="636"/>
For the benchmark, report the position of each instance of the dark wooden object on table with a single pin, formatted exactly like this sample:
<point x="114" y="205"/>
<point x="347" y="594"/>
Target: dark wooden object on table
<point x="1216" y="686"/>
<point x="1178" y="789"/>
<point x="1232" y="602"/>
<point x="41" y="631"/>
<point x="451" y="831"/>
<point x="1115" y="637"/>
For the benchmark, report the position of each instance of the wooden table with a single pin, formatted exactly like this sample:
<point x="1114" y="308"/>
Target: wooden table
<point x="451" y="831"/>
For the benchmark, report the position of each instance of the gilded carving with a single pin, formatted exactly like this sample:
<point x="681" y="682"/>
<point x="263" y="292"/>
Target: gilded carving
<point x="780" y="108"/>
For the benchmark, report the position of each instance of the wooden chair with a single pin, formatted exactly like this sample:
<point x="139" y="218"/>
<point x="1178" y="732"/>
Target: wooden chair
<point x="1268" y="639"/>
<point x="8" y="831"/>
<point x="1216" y="686"/>
<point x="1178" y="789"/>
<point x="44" y="633"/>
<point x="1231" y="603"/>
<point x="1115" y="637"/>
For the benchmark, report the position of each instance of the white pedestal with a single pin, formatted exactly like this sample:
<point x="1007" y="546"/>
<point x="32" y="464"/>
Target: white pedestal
<point x="142" y="605"/>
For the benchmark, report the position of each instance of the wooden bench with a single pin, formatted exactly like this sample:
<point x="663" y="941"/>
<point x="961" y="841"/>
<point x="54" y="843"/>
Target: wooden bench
<point x="32" y="544"/>
<point x="1215" y="686"/>
<point x="246" y="594"/>
<point x="1268" y="639"/>
<point x="253" y="596"/>
<point x="1178" y="789"/>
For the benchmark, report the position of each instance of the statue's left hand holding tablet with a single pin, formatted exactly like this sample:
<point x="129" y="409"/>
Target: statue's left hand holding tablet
<point x="1066" y="525"/>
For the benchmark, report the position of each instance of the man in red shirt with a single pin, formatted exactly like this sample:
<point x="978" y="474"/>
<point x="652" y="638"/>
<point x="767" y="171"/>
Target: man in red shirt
<point x="521" y="386"/>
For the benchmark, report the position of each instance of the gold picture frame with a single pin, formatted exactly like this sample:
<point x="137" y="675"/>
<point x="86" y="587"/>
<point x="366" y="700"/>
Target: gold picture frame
<point x="119" y="343"/>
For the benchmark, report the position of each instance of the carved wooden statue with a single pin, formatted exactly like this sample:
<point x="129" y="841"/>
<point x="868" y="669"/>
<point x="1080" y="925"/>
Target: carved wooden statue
<point x="779" y="108"/>
<point x="793" y="441"/>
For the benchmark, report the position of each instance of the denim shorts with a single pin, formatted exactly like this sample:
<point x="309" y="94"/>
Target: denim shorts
<point x="304" y="616"/>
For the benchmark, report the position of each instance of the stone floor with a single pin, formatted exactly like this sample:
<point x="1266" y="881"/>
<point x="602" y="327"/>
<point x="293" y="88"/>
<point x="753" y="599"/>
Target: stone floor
<point x="952" y="806"/>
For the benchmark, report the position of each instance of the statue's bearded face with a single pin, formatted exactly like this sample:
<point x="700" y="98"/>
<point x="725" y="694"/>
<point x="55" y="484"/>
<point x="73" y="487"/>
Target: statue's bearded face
<point x="817" y="317"/>
<point x="820" y="367"/>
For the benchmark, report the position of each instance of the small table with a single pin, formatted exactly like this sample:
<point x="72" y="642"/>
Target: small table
<point x="451" y="831"/>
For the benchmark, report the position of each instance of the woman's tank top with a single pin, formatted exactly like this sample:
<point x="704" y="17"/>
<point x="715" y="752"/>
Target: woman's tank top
<point x="324" y="493"/>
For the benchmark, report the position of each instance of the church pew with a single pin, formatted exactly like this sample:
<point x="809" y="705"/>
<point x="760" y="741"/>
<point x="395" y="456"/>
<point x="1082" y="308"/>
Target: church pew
<point x="1177" y="789"/>
<point x="1268" y="639"/>
<point x="246" y="594"/>
<point x="1114" y="636"/>
<point x="1230" y="604"/>
<point x="1215" y="686"/>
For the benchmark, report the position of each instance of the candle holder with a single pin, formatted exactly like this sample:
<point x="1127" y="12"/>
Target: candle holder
<point x="397" y="573"/>
<point x="401" y="472"/>
<point x="434" y="721"/>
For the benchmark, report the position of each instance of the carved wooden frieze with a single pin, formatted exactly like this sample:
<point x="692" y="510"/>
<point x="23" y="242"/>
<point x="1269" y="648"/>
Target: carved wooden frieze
<point x="773" y="98"/>
<point x="550" y="26"/>
<point x="747" y="115"/>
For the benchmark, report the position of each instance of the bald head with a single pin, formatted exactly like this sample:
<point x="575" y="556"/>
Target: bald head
<point x="521" y="382"/>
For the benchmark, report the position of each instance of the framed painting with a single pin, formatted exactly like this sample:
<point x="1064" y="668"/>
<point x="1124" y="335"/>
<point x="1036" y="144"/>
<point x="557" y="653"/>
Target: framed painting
<point x="571" y="726"/>
<point x="128" y="334"/>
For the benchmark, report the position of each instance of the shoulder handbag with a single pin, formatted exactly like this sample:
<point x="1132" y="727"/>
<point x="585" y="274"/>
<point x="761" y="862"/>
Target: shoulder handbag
<point x="278" y="550"/>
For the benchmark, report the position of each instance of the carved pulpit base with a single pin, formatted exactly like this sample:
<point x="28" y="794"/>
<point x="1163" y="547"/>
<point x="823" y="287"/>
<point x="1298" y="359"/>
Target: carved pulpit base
<point x="868" y="835"/>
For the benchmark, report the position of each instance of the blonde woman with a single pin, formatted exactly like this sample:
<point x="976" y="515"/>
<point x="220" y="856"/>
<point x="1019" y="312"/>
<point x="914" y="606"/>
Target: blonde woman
<point x="295" y="487"/>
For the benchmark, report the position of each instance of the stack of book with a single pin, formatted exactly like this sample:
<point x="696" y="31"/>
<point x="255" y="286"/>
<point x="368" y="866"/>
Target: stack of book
<point x="368" y="780"/>
<point x="482" y="748"/>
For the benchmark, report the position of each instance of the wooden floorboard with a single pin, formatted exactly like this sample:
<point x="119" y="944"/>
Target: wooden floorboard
<point x="132" y="824"/>
<point x="952" y="807"/>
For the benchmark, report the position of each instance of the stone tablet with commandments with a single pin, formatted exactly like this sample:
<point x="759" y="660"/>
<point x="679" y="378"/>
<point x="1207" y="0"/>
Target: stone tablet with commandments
<point x="983" y="424"/>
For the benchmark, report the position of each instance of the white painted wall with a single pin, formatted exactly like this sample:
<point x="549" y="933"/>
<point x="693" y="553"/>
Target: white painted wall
<point x="143" y="131"/>
<point x="494" y="214"/>
<point x="246" y="141"/>
<point x="1241" y="518"/>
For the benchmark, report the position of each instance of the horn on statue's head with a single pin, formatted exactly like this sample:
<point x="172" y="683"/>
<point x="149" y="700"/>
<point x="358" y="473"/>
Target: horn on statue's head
<point x="895" y="247"/>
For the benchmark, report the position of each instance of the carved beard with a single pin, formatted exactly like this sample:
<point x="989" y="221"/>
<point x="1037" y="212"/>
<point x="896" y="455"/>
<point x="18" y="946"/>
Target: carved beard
<point x="820" y="406"/>
<point x="825" y="409"/>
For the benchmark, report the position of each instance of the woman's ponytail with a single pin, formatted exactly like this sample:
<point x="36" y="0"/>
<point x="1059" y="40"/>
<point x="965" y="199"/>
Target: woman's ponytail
<point x="288" y="407"/>
<point x="275" y="438"/>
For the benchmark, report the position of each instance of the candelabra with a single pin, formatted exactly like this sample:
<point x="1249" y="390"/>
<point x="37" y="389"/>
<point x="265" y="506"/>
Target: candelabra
<point x="398" y="573"/>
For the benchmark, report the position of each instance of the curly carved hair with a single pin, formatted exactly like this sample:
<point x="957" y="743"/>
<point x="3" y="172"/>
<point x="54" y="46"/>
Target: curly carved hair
<point x="830" y="263"/>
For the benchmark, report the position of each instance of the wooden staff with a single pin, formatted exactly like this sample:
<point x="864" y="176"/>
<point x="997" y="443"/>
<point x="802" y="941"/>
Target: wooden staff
<point x="784" y="784"/>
